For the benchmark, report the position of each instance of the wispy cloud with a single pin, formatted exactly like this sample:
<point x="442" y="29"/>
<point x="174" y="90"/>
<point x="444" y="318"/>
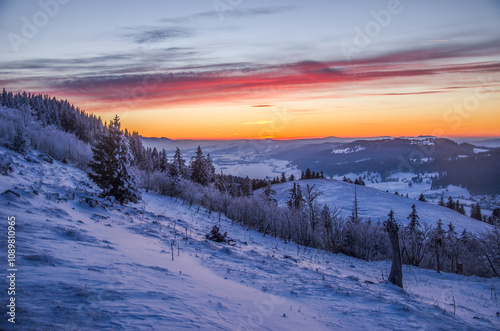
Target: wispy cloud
<point x="257" y="123"/>
<point x="235" y="13"/>
<point x="412" y="93"/>
<point x="149" y="34"/>
<point x="115" y="79"/>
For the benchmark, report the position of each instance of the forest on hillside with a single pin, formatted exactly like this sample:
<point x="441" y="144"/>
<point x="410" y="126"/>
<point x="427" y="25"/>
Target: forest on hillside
<point x="117" y="161"/>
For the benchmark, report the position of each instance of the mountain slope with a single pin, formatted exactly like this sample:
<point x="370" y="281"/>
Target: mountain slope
<point x="110" y="267"/>
<point x="376" y="204"/>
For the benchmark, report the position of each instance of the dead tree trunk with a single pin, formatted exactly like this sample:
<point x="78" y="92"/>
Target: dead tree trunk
<point x="396" y="275"/>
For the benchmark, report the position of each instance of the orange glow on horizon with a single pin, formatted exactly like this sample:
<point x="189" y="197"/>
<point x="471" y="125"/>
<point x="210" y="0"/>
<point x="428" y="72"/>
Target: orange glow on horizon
<point x="229" y="123"/>
<point x="307" y="99"/>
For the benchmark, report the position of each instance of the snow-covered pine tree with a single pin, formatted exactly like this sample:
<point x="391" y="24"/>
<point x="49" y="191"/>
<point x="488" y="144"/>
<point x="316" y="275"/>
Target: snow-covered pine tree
<point x="310" y="196"/>
<point x="178" y="166"/>
<point x="292" y="196"/>
<point x="136" y="149"/>
<point x="437" y="242"/>
<point x="461" y="209"/>
<point x="268" y="191"/>
<point x="422" y="198"/>
<point x="111" y="158"/>
<point x="450" y="204"/>
<point x="326" y="219"/>
<point x="441" y="200"/>
<point x="413" y="239"/>
<point x="19" y="144"/>
<point x="210" y="169"/>
<point x="475" y="212"/>
<point x="155" y="157"/>
<point x="162" y="161"/>
<point x="355" y="206"/>
<point x="413" y="217"/>
<point x="3" y="98"/>
<point x="202" y="169"/>
<point x="296" y="199"/>
<point x="246" y="187"/>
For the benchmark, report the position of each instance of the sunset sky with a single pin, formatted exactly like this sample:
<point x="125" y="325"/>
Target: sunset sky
<point x="233" y="69"/>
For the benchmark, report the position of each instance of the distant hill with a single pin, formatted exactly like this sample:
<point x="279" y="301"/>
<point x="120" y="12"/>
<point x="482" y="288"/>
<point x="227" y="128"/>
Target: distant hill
<point x="340" y="156"/>
<point x="376" y="204"/>
<point x="459" y="163"/>
<point x="384" y="156"/>
<point x="489" y="143"/>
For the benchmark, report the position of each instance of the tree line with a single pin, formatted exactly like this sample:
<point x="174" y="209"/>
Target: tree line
<point x="120" y="165"/>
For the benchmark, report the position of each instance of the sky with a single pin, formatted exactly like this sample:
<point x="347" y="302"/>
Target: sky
<point x="241" y="69"/>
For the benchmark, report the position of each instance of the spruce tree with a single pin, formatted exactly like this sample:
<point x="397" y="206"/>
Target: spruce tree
<point x="19" y="144"/>
<point x="162" y="161"/>
<point x="441" y="201"/>
<point x="413" y="217"/>
<point x="3" y="99"/>
<point x="202" y="169"/>
<point x="414" y="238"/>
<point x="437" y="241"/>
<point x="450" y="204"/>
<point x="461" y="209"/>
<point x="178" y="166"/>
<point x="296" y="199"/>
<point x="109" y="167"/>
<point x="246" y="187"/>
<point x="196" y="167"/>
<point x="136" y="149"/>
<point x="155" y="158"/>
<point x="327" y="220"/>
<point x="292" y="196"/>
<point x="475" y="212"/>
<point x="355" y="206"/>
<point x="268" y="192"/>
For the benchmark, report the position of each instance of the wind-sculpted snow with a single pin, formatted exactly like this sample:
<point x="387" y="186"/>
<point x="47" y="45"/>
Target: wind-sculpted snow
<point x="148" y="266"/>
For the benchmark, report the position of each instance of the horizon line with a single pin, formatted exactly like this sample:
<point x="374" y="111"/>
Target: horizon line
<point x="327" y="137"/>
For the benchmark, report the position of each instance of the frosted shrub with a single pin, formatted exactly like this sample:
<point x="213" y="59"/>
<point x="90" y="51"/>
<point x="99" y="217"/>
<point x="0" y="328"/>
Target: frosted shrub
<point x="5" y="164"/>
<point x="60" y="145"/>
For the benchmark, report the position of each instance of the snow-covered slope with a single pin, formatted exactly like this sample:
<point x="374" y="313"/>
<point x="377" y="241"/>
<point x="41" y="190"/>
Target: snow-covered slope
<point x="111" y="267"/>
<point x="376" y="204"/>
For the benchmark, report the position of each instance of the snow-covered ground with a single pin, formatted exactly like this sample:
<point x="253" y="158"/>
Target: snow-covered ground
<point x="83" y="268"/>
<point x="376" y="204"/>
<point x="264" y="169"/>
<point x="400" y="182"/>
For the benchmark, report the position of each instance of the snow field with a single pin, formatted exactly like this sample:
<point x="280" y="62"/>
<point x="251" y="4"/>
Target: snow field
<point x="83" y="268"/>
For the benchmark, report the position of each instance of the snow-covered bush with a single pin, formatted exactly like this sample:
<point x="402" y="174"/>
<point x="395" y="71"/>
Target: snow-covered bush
<point x="60" y="145"/>
<point x="5" y="164"/>
<point x="47" y="139"/>
<point x="10" y="119"/>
